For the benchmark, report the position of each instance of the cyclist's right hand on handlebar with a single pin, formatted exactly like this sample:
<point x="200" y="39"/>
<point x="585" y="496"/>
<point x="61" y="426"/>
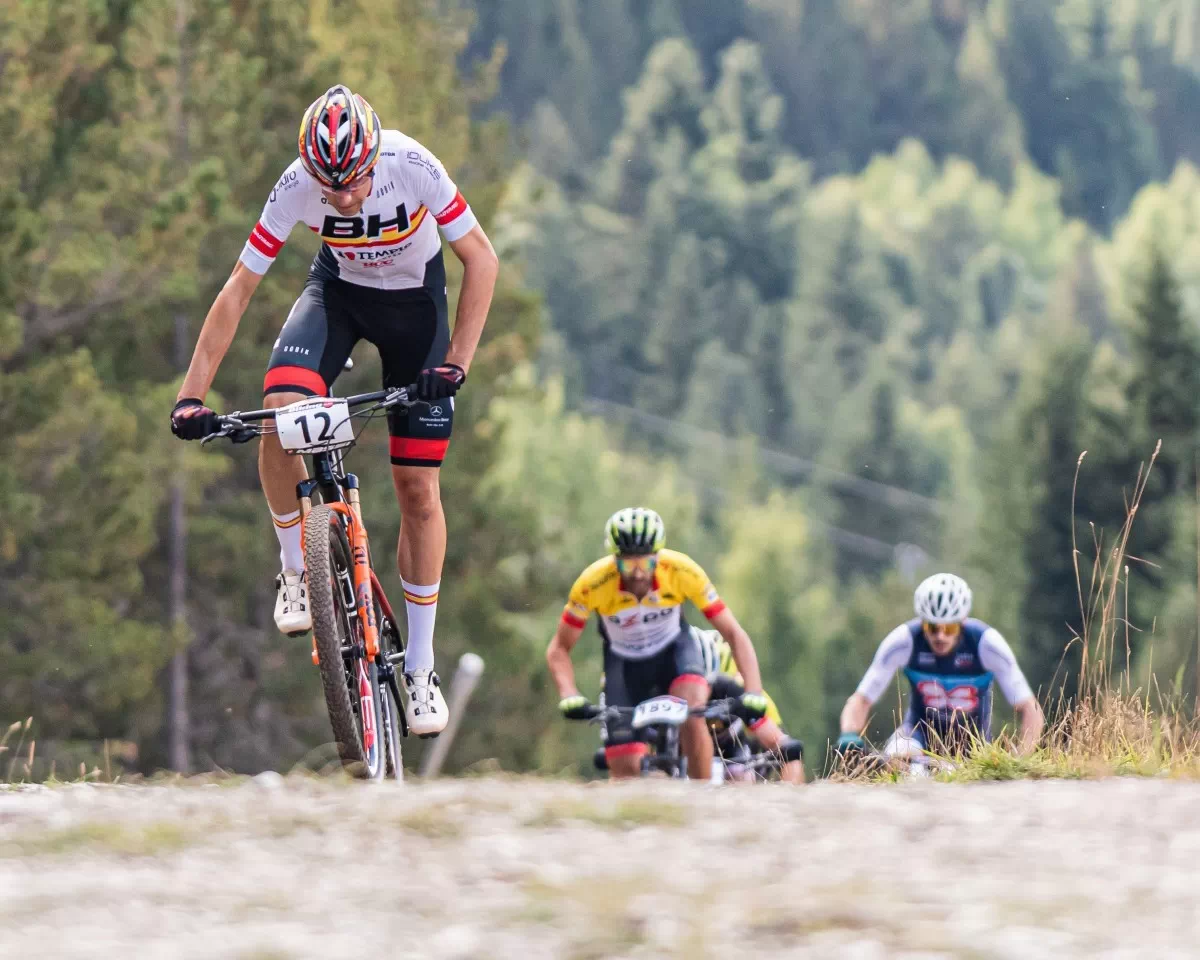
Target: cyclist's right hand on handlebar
<point x="754" y="705"/>
<point x="575" y="708"/>
<point x="192" y="420"/>
<point x="849" y="743"/>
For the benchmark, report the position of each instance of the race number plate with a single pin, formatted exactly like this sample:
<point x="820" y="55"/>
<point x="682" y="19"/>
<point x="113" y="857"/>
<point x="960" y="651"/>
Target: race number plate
<point x="661" y="710"/>
<point x="315" y="425"/>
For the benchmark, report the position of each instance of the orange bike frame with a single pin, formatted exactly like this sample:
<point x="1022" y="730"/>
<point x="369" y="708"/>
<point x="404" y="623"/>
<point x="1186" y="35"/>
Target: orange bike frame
<point x="364" y="578"/>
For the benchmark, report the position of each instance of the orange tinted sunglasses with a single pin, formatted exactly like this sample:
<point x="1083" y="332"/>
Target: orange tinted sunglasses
<point x="645" y="563"/>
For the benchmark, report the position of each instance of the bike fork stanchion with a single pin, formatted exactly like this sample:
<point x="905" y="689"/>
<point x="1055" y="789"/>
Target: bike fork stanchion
<point x="466" y="677"/>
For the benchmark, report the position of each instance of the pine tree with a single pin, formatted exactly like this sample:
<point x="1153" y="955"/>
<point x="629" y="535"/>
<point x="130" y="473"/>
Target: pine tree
<point x="1050" y="430"/>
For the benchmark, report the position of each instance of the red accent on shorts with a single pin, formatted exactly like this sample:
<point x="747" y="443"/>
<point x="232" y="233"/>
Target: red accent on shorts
<point x="457" y="206"/>
<point x="713" y="609"/>
<point x="759" y="722"/>
<point x="262" y="240"/>
<point x="418" y="448"/>
<point x="295" y="377"/>
<point x="624" y="749"/>
<point x="687" y="678"/>
<point x="571" y="620"/>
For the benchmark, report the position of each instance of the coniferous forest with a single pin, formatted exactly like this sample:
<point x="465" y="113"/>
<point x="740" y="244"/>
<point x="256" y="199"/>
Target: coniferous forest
<point x="842" y="288"/>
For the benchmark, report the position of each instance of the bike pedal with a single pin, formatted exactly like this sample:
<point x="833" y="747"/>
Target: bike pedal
<point x="429" y="736"/>
<point x="296" y="633"/>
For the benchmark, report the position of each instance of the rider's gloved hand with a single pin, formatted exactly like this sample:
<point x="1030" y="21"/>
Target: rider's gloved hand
<point x="755" y="704"/>
<point x="437" y="383"/>
<point x="849" y="743"/>
<point x="575" y="707"/>
<point x="192" y="420"/>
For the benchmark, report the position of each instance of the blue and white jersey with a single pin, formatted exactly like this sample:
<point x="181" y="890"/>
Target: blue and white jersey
<point x="949" y="689"/>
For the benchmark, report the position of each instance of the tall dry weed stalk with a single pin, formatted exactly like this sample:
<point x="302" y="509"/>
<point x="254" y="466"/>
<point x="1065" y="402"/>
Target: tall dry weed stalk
<point x="1112" y="724"/>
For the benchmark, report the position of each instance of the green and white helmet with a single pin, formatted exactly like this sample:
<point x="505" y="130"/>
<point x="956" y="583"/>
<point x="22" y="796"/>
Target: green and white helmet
<point x="635" y="530"/>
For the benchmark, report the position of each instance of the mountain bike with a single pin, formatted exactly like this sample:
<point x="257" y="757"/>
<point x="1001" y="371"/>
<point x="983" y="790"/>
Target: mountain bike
<point x="656" y="722"/>
<point x="738" y="752"/>
<point x="867" y="763"/>
<point x="742" y="758"/>
<point x="736" y="757"/>
<point x="356" y="639"/>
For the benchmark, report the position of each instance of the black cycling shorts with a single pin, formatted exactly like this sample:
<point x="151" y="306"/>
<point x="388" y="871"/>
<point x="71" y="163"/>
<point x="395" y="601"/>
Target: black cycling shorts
<point x="628" y="682"/>
<point x="411" y="330"/>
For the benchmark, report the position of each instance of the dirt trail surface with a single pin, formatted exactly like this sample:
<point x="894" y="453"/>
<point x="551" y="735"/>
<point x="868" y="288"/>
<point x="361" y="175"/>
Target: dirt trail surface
<point x="526" y="868"/>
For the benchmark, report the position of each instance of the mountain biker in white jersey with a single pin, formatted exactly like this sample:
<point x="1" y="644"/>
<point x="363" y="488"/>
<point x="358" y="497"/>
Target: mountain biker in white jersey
<point x="951" y="660"/>
<point x="374" y="197"/>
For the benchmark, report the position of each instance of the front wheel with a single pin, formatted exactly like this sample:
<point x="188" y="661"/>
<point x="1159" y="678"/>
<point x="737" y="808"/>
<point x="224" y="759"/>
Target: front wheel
<point x="351" y="683"/>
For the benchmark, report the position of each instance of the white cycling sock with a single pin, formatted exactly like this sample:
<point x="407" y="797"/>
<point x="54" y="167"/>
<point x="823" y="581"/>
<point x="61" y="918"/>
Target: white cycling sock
<point x="421" y="604"/>
<point x="287" y="529"/>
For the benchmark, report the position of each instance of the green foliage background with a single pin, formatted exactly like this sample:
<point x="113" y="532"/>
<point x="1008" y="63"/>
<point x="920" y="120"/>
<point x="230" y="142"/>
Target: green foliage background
<point x="842" y="287"/>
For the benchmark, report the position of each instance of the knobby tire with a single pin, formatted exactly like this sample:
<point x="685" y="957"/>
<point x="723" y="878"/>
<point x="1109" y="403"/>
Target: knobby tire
<point x="326" y="552"/>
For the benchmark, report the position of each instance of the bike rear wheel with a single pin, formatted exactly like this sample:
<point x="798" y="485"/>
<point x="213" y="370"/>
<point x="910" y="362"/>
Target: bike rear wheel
<point x="350" y="681"/>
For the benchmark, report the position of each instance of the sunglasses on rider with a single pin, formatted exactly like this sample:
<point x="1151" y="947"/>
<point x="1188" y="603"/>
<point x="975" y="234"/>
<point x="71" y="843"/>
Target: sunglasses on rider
<point x="642" y="564"/>
<point x="948" y="629"/>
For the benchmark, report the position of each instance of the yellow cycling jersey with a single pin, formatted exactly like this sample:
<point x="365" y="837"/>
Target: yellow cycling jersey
<point x="637" y="629"/>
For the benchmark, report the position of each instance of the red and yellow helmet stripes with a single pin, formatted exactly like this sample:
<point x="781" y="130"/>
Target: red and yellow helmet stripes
<point x="339" y="137"/>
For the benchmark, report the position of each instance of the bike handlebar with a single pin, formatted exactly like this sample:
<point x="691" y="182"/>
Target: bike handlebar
<point x="720" y="709"/>
<point x="237" y="426"/>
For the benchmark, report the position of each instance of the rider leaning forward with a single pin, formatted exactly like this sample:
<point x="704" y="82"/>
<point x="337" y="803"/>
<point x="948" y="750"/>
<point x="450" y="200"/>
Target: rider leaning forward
<point x="377" y="199"/>
<point x="637" y="593"/>
<point x="951" y="660"/>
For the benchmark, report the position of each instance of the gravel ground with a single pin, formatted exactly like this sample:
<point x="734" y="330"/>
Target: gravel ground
<point x="500" y="867"/>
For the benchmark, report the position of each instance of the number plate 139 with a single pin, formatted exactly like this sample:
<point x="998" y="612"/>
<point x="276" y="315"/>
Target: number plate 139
<point x="315" y="425"/>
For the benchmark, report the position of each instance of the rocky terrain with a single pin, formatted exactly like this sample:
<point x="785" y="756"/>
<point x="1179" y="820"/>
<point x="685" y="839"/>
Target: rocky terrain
<point x="273" y="868"/>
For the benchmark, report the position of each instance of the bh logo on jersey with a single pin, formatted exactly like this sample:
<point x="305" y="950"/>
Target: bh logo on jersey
<point x="352" y="228"/>
<point x="937" y="697"/>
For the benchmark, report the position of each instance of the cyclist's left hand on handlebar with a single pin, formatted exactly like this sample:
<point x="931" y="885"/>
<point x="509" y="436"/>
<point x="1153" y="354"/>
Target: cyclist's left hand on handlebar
<point x="437" y="383"/>
<point x="851" y="742"/>
<point x="574" y="708"/>
<point x="192" y="420"/>
<point x="754" y="704"/>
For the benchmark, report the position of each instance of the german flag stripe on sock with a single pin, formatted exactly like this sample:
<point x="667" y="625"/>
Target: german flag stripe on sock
<point x="419" y="600"/>
<point x="284" y="524"/>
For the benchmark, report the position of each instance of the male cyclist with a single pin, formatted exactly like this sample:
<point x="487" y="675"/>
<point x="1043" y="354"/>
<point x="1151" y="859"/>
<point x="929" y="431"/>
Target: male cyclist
<point x="951" y="662"/>
<point x="637" y="591"/>
<point x="724" y="678"/>
<point x="373" y="196"/>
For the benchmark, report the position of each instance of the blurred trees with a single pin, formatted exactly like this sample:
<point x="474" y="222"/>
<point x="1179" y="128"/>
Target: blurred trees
<point x="842" y="287"/>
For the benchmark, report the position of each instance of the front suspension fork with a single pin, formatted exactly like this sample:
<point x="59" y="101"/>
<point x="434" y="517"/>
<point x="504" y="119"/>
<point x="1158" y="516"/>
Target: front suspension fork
<point x="360" y="553"/>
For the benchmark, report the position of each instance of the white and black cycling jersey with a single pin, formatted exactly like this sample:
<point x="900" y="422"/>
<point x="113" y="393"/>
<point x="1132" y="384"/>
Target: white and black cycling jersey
<point x="387" y="244"/>
<point x="982" y="657"/>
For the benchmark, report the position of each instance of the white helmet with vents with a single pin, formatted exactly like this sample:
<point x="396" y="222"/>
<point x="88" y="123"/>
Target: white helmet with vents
<point x="943" y="598"/>
<point x="710" y="651"/>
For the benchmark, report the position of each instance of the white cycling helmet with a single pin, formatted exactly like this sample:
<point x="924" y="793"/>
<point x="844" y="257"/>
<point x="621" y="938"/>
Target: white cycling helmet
<point x="709" y="650"/>
<point x="943" y="598"/>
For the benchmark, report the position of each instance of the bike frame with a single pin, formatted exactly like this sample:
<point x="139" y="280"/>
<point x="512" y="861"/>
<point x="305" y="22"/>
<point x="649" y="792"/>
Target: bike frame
<point x="339" y="491"/>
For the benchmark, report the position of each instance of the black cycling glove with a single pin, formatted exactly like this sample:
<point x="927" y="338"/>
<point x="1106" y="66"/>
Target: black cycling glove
<point x="198" y="425"/>
<point x="437" y="383"/>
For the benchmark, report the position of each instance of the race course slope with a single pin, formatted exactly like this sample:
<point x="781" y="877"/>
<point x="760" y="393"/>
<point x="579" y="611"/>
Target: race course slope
<point x="497" y="867"/>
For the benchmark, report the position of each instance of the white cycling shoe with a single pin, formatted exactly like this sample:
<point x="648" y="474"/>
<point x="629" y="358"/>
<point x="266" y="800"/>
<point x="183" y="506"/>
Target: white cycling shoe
<point x="293" y="615"/>
<point x="426" y="709"/>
